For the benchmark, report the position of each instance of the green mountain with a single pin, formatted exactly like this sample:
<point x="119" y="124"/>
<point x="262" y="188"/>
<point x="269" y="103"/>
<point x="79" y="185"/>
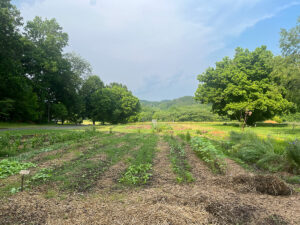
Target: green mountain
<point x="166" y="104"/>
<point x="180" y="109"/>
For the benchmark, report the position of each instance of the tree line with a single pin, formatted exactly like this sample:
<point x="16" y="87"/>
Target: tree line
<point x="255" y="85"/>
<point x="39" y="82"/>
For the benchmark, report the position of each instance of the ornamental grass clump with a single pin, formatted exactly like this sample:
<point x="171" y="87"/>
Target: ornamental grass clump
<point x="293" y="154"/>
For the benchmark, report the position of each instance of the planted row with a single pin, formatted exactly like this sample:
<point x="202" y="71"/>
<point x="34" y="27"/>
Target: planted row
<point x="180" y="165"/>
<point x="209" y="154"/>
<point x="139" y="170"/>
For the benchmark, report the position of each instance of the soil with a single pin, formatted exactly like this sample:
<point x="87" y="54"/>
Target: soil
<point x="209" y="200"/>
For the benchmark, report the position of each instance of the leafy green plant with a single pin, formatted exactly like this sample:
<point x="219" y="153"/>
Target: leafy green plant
<point x="41" y="176"/>
<point x="136" y="174"/>
<point x="209" y="154"/>
<point x="8" y="168"/>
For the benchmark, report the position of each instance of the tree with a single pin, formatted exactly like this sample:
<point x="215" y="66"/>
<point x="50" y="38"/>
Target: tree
<point x="16" y="95"/>
<point x="288" y="66"/>
<point x="241" y="85"/>
<point x="45" y="66"/>
<point x="123" y="104"/>
<point x="79" y="66"/>
<point x="60" y="112"/>
<point x="90" y="90"/>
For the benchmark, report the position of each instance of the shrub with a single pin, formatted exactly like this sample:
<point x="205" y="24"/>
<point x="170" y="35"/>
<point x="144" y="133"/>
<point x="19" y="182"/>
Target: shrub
<point x="277" y="119"/>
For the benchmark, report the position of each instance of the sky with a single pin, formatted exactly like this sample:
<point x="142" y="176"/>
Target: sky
<point x="158" y="47"/>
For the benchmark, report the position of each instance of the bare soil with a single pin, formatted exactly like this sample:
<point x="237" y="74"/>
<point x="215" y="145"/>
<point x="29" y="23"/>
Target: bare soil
<point x="206" y="201"/>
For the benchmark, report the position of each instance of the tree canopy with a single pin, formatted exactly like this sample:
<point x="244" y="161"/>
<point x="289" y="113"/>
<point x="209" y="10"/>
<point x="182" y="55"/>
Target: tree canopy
<point x="243" y="84"/>
<point x="39" y="82"/>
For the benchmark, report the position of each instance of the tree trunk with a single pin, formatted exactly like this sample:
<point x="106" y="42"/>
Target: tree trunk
<point x="93" y="123"/>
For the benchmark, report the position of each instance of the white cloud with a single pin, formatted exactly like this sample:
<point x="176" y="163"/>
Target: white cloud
<point x="149" y="45"/>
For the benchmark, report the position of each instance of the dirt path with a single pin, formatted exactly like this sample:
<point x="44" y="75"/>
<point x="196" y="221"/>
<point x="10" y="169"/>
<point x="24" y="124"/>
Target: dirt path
<point x="200" y="171"/>
<point x="162" y="172"/>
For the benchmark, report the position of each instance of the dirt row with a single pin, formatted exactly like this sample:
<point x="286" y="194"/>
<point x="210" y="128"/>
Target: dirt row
<point x="211" y="199"/>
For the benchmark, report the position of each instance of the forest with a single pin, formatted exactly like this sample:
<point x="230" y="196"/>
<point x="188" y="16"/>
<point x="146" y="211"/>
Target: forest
<point x="40" y="82"/>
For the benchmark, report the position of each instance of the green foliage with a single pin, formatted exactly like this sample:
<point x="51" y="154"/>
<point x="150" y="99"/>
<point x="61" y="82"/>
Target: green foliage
<point x="38" y="82"/>
<point x="60" y="112"/>
<point x="293" y="152"/>
<point x="292" y="179"/>
<point x="295" y="117"/>
<point x="12" y="145"/>
<point x="277" y="119"/>
<point x="181" y="109"/>
<point x="8" y="168"/>
<point x="266" y="154"/>
<point x="243" y="84"/>
<point x="137" y="174"/>
<point x="188" y="136"/>
<point x="42" y="176"/>
<point x="209" y="154"/>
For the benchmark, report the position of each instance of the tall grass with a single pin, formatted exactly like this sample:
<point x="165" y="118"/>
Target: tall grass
<point x="265" y="153"/>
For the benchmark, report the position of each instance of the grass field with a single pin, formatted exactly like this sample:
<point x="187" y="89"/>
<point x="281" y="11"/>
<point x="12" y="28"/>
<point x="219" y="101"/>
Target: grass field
<point x="175" y="173"/>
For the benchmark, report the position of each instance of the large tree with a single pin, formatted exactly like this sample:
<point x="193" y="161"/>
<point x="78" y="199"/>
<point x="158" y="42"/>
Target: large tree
<point x="242" y="88"/>
<point x="124" y="104"/>
<point x="288" y="67"/>
<point x="17" y="100"/>
<point x="90" y="91"/>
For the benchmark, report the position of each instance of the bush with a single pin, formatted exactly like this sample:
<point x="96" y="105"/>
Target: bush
<point x="277" y="119"/>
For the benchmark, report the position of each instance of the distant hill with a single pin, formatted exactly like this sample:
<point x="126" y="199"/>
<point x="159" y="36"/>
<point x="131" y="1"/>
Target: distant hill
<point x="167" y="104"/>
<point x="179" y="109"/>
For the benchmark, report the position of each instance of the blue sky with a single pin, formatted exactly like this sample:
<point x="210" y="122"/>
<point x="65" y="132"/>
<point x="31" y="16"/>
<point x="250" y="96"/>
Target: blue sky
<point x="158" y="47"/>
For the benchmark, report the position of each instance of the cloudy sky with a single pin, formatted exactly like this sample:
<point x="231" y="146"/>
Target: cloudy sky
<point x="158" y="47"/>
